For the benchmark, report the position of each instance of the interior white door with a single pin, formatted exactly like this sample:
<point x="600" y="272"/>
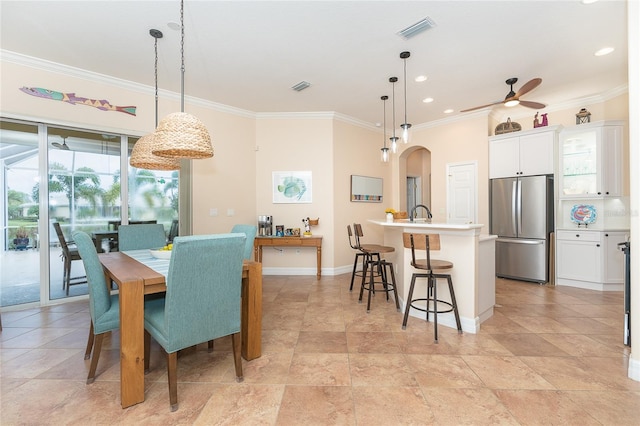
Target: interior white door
<point x="462" y="192"/>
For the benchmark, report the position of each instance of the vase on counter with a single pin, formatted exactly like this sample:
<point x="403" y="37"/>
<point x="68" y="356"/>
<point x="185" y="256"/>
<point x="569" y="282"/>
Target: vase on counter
<point x="389" y="217"/>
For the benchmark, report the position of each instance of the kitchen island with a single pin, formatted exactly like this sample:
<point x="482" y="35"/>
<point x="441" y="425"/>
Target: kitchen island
<point x="473" y="273"/>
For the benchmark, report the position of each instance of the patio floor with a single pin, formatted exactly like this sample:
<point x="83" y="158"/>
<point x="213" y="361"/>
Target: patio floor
<point x="20" y="276"/>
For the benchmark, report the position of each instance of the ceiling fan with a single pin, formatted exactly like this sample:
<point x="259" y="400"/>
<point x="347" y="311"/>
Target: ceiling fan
<point x="513" y="98"/>
<point x="62" y="145"/>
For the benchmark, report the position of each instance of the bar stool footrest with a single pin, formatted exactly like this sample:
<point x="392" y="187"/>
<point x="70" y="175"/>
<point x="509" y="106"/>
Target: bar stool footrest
<point x="432" y="311"/>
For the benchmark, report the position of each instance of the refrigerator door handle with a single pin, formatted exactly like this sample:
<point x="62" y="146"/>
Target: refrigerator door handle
<point x="516" y="241"/>
<point x="519" y="207"/>
<point x="514" y="206"/>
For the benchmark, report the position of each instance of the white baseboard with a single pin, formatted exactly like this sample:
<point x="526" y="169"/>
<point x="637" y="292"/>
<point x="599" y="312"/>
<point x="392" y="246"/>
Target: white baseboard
<point x="634" y="369"/>
<point x="306" y="271"/>
<point x="590" y="285"/>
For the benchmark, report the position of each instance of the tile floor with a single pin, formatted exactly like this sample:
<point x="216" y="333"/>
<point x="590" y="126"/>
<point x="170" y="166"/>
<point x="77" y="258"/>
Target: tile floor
<point x="548" y="356"/>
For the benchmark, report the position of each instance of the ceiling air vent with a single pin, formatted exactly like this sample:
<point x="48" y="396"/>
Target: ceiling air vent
<point x="301" y="86"/>
<point x="415" y="29"/>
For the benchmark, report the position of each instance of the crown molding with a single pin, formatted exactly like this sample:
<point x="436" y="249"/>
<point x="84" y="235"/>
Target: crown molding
<point x="48" y="66"/>
<point x="53" y="67"/>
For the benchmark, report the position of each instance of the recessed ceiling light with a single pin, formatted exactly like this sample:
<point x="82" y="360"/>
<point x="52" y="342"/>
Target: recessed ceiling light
<point x="448" y="111"/>
<point x="589" y="1"/>
<point x="421" y="78"/>
<point x="427" y="100"/>
<point x="604" y="51"/>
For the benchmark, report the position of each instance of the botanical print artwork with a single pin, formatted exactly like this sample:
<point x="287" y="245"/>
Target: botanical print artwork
<point x="292" y="187"/>
<point x="72" y="99"/>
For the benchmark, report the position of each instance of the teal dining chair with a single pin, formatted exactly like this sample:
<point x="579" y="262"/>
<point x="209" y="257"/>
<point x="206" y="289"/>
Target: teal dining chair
<point x="202" y="302"/>
<point x="138" y="237"/>
<point x="250" y="231"/>
<point x="104" y="307"/>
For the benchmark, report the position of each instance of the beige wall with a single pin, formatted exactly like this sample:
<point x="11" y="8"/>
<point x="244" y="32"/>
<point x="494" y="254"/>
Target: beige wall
<point x="227" y="181"/>
<point x="296" y="143"/>
<point x="453" y="142"/>
<point x="356" y="152"/>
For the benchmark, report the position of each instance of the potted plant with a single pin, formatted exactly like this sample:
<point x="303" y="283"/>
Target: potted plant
<point x="21" y="241"/>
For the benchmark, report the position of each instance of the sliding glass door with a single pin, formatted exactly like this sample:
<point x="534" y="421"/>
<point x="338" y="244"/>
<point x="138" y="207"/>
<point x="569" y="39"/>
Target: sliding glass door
<point x="56" y="180"/>
<point x="20" y="237"/>
<point x="83" y="194"/>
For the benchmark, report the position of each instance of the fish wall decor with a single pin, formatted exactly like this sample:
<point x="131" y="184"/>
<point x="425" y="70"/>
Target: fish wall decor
<point x="72" y="99"/>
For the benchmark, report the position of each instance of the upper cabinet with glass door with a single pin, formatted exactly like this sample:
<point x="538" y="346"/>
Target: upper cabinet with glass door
<point x="590" y="163"/>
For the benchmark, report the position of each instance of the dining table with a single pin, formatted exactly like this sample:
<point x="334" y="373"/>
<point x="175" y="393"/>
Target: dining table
<point x="137" y="274"/>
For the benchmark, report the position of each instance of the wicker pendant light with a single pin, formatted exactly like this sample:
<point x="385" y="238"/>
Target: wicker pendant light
<point x="141" y="155"/>
<point x="181" y="135"/>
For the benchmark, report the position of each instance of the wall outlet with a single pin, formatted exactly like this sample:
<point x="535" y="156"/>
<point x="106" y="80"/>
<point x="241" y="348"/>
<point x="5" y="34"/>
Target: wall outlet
<point x="231" y="212"/>
<point x="297" y="251"/>
<point x="213" y="212"/>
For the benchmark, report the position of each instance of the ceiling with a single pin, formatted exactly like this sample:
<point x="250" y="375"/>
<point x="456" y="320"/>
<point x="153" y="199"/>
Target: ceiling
<point x="248" y="54"/>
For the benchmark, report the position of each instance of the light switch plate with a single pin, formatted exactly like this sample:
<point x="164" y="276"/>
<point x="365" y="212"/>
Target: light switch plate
<point x="213" y="212"/>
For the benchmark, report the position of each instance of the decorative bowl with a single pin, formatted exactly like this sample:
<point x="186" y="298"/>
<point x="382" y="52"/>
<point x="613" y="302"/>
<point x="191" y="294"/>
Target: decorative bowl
<point x="161" y="254"/>
<point x="583" y="214"/>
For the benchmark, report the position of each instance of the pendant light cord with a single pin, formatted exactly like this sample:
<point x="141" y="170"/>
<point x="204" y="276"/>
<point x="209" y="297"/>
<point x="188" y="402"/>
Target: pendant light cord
<point x="182" y="55"/>
<point x="384" y="121"/>
<point x="156" y="77"/>
<point x="405" y="90"/>
<point x="393" y="99"/>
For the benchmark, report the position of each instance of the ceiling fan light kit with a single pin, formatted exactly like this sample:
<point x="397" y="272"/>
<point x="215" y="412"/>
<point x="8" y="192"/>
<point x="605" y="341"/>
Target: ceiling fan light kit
<point x="513" y="98"/>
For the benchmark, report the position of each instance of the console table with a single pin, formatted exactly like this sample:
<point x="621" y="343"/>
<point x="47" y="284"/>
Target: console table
<point x="310" y="241"/>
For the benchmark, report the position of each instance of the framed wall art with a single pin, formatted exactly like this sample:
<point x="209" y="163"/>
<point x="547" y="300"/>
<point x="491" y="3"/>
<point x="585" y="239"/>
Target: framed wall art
<point x="292" y="187"/>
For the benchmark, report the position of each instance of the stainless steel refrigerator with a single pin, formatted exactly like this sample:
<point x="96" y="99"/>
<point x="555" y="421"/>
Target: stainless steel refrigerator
<point x="522" y="218"/>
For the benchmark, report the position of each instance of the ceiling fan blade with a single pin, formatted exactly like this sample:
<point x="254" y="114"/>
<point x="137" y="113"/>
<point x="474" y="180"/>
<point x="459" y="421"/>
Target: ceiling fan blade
<point x="528" y="86"/>
<point x="534" y="105"/>
<point x="482" y="106"/>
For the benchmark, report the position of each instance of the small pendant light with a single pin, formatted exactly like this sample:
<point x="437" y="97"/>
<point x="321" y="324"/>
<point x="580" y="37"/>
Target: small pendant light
<point x="182" y="135"/>
<point x="394" y="139"/>
<point x="141" y="155"/>
<point x="405" y="126"/>
<point x="384" y="149"/>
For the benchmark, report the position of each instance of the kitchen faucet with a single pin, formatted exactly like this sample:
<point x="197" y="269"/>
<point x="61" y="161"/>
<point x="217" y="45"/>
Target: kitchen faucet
<point x="413" y="212"/>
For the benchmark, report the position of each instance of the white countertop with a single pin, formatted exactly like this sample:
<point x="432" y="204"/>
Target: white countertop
<point x="405" y="223"/>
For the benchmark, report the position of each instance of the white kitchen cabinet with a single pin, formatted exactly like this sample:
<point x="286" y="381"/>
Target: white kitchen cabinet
<point x="590" y="259"/>
<point x="526" y="153"/>
<point x="590" y="160"/>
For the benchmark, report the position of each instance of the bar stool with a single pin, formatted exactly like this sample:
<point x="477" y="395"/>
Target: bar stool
<point x="433" y="269"/>
<point x="379" y="269"/>
<point x="360" y="256"/>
